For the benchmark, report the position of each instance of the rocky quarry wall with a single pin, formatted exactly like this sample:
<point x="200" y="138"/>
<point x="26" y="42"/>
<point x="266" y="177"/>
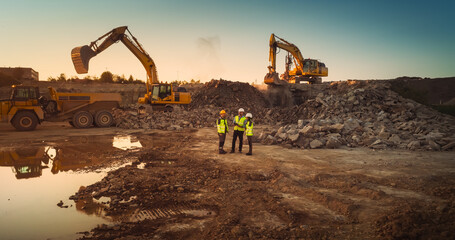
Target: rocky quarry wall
<point x="340" y="114"/>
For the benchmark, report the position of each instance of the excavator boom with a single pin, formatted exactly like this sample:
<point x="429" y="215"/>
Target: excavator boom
<point x="82" y="55"/>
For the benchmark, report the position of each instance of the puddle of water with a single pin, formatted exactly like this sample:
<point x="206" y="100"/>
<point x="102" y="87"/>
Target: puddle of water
<point x="34" y="179"/>
<point x="126" y="142"/>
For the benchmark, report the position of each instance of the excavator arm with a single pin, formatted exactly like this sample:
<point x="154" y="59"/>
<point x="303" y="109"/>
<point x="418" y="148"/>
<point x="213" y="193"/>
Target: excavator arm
<point x="283" y="44"/>
<point x="82" y="55"/>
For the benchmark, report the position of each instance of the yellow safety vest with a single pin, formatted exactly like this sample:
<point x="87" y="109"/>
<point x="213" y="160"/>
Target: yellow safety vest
<point x="249" y="128"/>
<point x="241" y="122"/>
<point x="222" y="125"/>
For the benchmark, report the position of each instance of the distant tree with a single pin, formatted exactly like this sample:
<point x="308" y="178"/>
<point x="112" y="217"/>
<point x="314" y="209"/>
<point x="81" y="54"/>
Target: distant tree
<point x="119" y="79"/>
<point x="107" y="77"/>
<point x="88" y="77"/>
<point x="131" y="79"/>
<point x="61" y="78"/>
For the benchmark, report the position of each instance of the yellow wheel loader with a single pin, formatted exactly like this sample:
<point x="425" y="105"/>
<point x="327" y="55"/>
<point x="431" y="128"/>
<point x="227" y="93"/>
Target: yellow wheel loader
<point x="25" y="108"/>
<point x="158" y="94"/>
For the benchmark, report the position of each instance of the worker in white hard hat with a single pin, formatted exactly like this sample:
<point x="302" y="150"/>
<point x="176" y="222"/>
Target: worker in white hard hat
<point x="223" y="129"/>
<point x="239" y="129"/>
<point x="249" y="132"/>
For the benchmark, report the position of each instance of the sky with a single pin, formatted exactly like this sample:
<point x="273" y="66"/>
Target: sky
<point x="206" y="39"/>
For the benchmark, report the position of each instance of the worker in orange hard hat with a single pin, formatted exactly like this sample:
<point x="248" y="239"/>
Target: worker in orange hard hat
<point x="223" y="129"/>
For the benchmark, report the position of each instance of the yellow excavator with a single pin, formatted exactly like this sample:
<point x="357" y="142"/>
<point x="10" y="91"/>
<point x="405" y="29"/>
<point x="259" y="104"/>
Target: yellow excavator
<point x="305" y="70"/>
<point x="158" y="94"/>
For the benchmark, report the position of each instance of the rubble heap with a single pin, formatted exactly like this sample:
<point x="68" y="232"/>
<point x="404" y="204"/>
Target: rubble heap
<point x="229" y="96"/>
<point x="134" y="117"/>
<point x="362" y="113"/>
<point x="348" y="113"/>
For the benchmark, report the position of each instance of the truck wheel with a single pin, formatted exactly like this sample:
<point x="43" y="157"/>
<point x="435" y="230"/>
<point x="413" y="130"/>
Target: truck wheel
<point x="82" y="119"/>
<point x="168" y="109"/>
<point x="103" y="118"/>
<point x="25" y="121"/>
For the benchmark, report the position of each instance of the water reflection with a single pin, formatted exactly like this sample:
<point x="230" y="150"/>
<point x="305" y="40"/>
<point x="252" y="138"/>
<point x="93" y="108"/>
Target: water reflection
<point x="126" y="142"/>
<point x="45" y="173"/>
<point x="29" y="162"/>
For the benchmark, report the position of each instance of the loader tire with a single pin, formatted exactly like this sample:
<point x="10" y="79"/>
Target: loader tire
<point x="168" y="109"/>
<point x="82" y="119"/>
<point x="25" y="121"/>
<point x="103" y="119"/>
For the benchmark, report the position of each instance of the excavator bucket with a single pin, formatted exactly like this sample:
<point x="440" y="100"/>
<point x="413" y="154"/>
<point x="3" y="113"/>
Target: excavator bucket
<point x="273" y="79"/>
<point x="81" y="57"/>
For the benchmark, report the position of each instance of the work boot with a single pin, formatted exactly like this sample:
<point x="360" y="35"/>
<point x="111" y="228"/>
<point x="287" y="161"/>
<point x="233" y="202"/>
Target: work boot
<point x="249" y="153"/>
<point x="222" y="151"/>
<point x="232" y="151"/>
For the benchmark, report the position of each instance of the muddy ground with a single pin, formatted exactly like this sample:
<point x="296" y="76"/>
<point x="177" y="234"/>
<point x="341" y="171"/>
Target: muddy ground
<point x="180" y="188"/>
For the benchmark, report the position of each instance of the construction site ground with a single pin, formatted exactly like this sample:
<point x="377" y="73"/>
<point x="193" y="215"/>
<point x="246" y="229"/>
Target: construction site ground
<point x="178" y="187"/>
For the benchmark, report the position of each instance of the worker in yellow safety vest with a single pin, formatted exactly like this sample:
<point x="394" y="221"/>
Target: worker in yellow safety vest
<point x="249" y="132"/>
<point x="239" y="129"/>
<point x="223" y="129"/>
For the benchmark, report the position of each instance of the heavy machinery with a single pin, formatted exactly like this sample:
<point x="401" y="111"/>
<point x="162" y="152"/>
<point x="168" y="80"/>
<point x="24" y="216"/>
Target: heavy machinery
<point x="286" y="90"/>
<point x="157" y="93"/>
<point x="25" y="108"/>
<point x="27" y="163"/>
<point x="308" y="70"/>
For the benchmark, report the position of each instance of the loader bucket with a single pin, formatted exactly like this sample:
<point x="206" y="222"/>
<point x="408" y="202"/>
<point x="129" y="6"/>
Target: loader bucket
<point x="81" y="57"/>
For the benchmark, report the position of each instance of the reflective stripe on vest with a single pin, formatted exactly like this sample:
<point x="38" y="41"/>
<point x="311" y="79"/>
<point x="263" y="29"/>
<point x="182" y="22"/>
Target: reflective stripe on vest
<point x="221" y="125"/>
<point x="241" y="122"/>
<point x="249" y="128"/>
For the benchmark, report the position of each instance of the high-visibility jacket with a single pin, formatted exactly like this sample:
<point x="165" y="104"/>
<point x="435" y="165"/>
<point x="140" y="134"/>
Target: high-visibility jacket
<point x="249" y="128"/>
<point x="241" y="122"/>
<point x="222" y="125"/>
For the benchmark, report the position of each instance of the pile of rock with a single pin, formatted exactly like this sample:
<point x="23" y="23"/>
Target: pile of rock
<point x="362" y="114"/>
<point x="140" y="117"/>
<point x="229" y="96"/>
<point x="349" y="113"/>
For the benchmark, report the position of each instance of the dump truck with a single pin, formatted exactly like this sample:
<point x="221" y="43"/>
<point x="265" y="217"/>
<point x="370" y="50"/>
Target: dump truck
<point x="158" y="94"/>
<point x="25" y="108"/>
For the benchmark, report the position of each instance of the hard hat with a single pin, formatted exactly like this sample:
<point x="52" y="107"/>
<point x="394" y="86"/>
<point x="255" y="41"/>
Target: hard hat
<point x="222" y="112"/>
<point x="249" y="115"/>
<point x="241" y="110"/>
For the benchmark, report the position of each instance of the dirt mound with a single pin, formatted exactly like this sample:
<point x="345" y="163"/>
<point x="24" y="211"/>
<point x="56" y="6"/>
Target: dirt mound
<point x="229" y="95"/>
<point x="417" y="221"/>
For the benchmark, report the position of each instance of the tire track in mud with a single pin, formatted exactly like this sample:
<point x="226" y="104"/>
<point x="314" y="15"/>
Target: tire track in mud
<point x="168" y="212"/>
